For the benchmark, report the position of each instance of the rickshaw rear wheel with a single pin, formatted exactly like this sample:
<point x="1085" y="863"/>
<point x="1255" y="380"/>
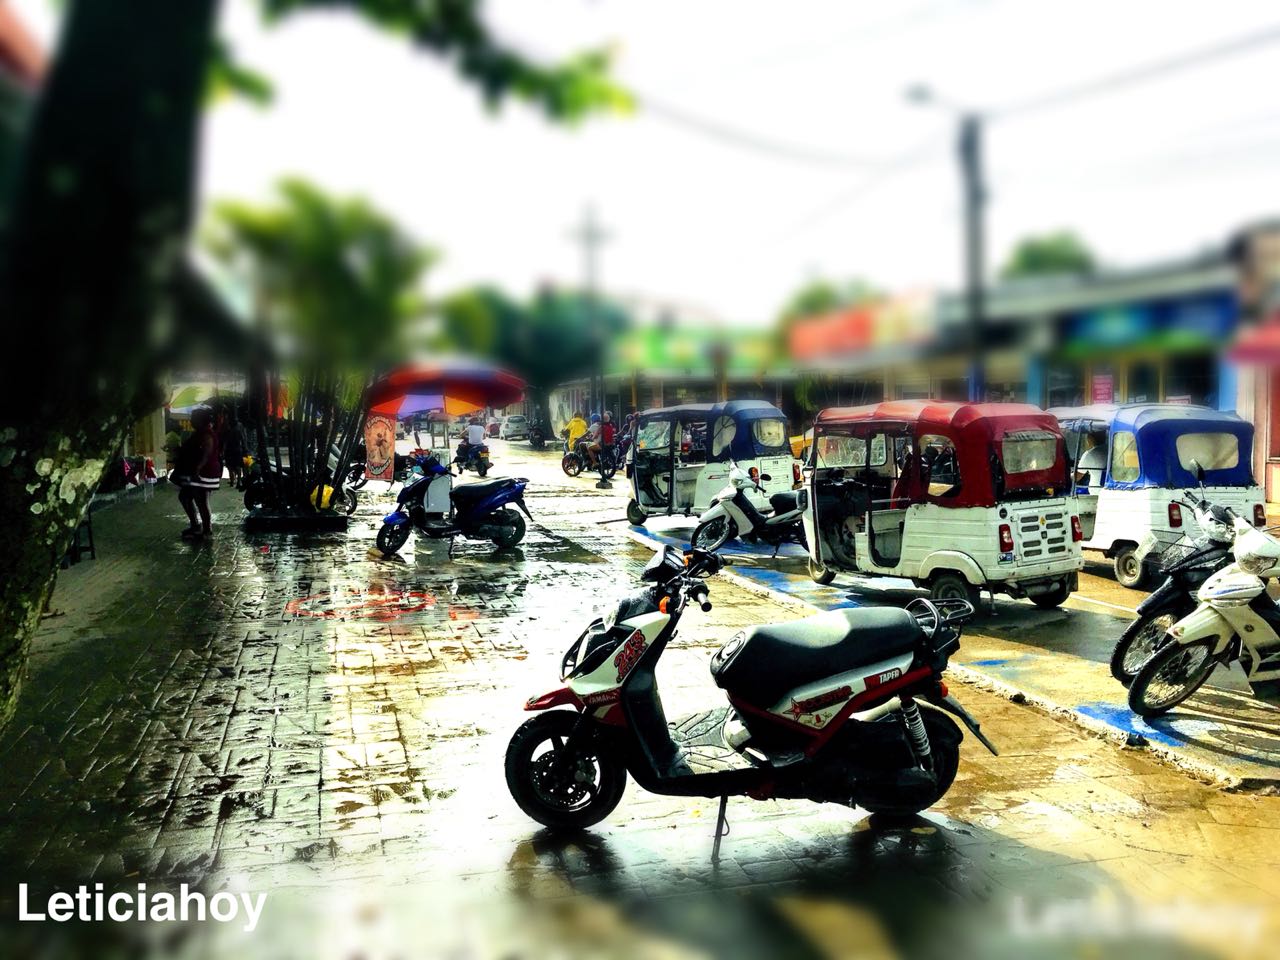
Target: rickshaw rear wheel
<point x="1130" y="571"/>
<point x="635" y="515"/>
<point x="1053" y="599"/>
<point x="820" y="572"/>
<point x="953" y="586"/>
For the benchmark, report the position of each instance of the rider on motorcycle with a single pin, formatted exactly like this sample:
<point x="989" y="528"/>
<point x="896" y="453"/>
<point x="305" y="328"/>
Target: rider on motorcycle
<point x="473" y="435"/>
<point x="595" y="439"/>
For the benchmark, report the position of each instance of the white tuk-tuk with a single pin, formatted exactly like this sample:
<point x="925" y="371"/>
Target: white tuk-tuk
<point x="681" y="455"/>
<point x="956" y="497"/>
<point x="1132" y="463"/>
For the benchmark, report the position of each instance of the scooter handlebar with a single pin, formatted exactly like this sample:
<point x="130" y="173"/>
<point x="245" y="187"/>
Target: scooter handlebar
<point x="698" y="593"/>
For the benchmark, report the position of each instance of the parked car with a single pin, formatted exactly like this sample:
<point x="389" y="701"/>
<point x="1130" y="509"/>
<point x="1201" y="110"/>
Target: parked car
<point x="514" y="427"/>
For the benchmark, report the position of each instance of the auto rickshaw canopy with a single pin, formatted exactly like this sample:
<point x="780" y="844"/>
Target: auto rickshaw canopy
<point x="735" y="421"/>
<point x="982" y="435"/>
<point x="1153" y="444"/>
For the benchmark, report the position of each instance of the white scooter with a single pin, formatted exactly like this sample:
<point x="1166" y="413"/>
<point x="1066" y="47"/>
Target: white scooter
<point x="1235" y="620"/>
<point x="732" y="514"/>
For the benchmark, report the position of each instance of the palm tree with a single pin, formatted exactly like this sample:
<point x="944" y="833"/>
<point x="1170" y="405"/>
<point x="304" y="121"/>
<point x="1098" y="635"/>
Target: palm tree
<point x="336" y="283"/>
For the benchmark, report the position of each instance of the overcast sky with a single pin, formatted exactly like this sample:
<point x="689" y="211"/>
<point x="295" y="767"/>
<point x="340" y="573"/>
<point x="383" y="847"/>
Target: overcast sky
<point x="1152" y="170"/>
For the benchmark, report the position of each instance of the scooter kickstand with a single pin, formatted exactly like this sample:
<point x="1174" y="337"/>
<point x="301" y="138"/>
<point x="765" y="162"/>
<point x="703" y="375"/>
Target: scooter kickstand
<point x="722" y="828"/>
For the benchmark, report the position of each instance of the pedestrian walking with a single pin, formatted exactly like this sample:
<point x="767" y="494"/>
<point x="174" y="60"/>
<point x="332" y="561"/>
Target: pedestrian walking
<point x="198" y="472"/>
<point x="234" y="446"/>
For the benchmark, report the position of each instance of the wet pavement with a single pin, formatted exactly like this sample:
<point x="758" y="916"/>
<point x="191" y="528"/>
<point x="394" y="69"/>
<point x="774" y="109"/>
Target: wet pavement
<point x="297" y="715"/>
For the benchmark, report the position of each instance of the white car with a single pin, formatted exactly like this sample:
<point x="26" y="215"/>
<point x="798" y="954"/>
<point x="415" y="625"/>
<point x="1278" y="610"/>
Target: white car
<point x="514" y="427"/>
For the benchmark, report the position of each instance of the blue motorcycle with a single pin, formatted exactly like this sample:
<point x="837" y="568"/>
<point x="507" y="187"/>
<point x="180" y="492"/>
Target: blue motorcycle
<point x="433" y="507"/>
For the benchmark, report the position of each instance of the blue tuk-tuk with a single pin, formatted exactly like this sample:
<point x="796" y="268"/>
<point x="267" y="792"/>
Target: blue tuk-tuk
<point x="681" y="455"/>
<point x="1133" y="461"/>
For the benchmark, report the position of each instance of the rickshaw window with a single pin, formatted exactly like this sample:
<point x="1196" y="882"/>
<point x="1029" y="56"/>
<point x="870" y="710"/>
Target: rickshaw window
<point x="940" y="465"/>
<point x="654" y="435"/>
<point x="1213" y="451"/>
<point x="1124" y="457"/>
<point x="722" y="436"/>
<point x="770" y="435"/>
<point x="842" y="450"/>
<point x="1029" y="451"/>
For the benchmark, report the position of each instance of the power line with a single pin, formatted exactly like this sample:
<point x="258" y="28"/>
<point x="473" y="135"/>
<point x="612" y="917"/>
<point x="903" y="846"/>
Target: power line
<point x="746" y="139"/>
<point x="1139" y="75"/>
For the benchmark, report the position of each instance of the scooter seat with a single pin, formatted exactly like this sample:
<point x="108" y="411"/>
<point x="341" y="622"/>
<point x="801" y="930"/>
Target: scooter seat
<point x="481" y="488"/>
<point x="774" y="659"/>
<point x="783" y="502"/>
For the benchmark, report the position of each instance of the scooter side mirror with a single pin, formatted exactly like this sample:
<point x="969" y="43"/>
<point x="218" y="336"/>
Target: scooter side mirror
<point x="1198" y="470"/>
<point x="764" y="477"/>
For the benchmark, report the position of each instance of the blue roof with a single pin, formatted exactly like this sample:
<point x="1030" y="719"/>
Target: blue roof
<point x="1157" y="427"/>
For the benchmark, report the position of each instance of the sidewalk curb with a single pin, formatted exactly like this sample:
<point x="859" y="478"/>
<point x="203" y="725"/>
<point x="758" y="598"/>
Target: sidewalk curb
<point x="1207" y="772"/>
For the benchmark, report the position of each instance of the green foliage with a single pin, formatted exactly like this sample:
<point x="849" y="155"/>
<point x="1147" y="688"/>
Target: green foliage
<point x="555" y="337"/>
<point x="226" y="77"/>
<point x="822" y="296"/>
<point x="455" y="30"/>
<point x="337" y="280"/>
<point x="1049" y="254"/>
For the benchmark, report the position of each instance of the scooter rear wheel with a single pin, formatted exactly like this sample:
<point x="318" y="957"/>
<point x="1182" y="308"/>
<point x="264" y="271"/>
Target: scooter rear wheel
<point x="558" y="786"/>
<point x="511" y="521"/>
<point x="944" y="745"/>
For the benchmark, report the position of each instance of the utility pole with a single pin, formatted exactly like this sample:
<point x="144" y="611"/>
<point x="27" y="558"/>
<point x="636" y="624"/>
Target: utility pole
<point x="592" y="236"/>
<point x="975" y="198"/>
<point x="969" y="150"/>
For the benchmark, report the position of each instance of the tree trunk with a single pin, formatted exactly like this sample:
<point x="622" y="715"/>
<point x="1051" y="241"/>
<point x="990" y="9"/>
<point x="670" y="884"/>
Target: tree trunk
<point x="101" y="207"/>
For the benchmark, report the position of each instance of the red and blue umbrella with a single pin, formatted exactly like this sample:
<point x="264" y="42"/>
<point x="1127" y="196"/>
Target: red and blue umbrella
<point x="454" y="389"/>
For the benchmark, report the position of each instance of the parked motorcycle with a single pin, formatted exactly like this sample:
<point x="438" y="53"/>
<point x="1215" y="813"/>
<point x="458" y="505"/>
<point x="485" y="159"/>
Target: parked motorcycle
<point x="844" y="707"/>
<point x="732" y="514"/>
<point x="1234" y="620"/>
<point x="435" y="508"/>
<point x="261" y="492"/>
<point x="1185" y="566"/>
<point x="472" y="456"/>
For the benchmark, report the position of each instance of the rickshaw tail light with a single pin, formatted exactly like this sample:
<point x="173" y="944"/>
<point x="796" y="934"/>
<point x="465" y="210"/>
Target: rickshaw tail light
<point x="795" y="472"/>
<point x="755" y="473"/>
<point x="1259" y="515"/>
<point x="1077" y="531"/>
<point x="1175" y="515"/>
<point x="1006" y="539"/>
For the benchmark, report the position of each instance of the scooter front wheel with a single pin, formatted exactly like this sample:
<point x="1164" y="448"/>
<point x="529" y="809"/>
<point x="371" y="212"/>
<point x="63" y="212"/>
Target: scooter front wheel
<point x="392" y="538"/>
<point x="713" y="534"/>
<point x="561" y="781"/>
<point x="1172" y="675"/>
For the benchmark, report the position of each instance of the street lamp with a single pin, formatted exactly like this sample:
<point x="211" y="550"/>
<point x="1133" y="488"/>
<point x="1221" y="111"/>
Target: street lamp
<point x="969" y="152"/>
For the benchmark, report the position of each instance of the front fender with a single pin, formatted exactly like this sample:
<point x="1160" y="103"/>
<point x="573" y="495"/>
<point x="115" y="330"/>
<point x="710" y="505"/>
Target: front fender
<point x="556" y="698"/>
<point x="961" y="563"/>
<point x="1203" y="623"/>
<point x="396" y="519"/>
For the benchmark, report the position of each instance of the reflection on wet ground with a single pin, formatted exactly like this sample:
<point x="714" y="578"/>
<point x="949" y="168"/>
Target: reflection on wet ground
<point x="330" y="726"/>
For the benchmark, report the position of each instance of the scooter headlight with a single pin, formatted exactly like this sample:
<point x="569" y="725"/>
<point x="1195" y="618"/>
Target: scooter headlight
<point x="1255" y="564"/>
